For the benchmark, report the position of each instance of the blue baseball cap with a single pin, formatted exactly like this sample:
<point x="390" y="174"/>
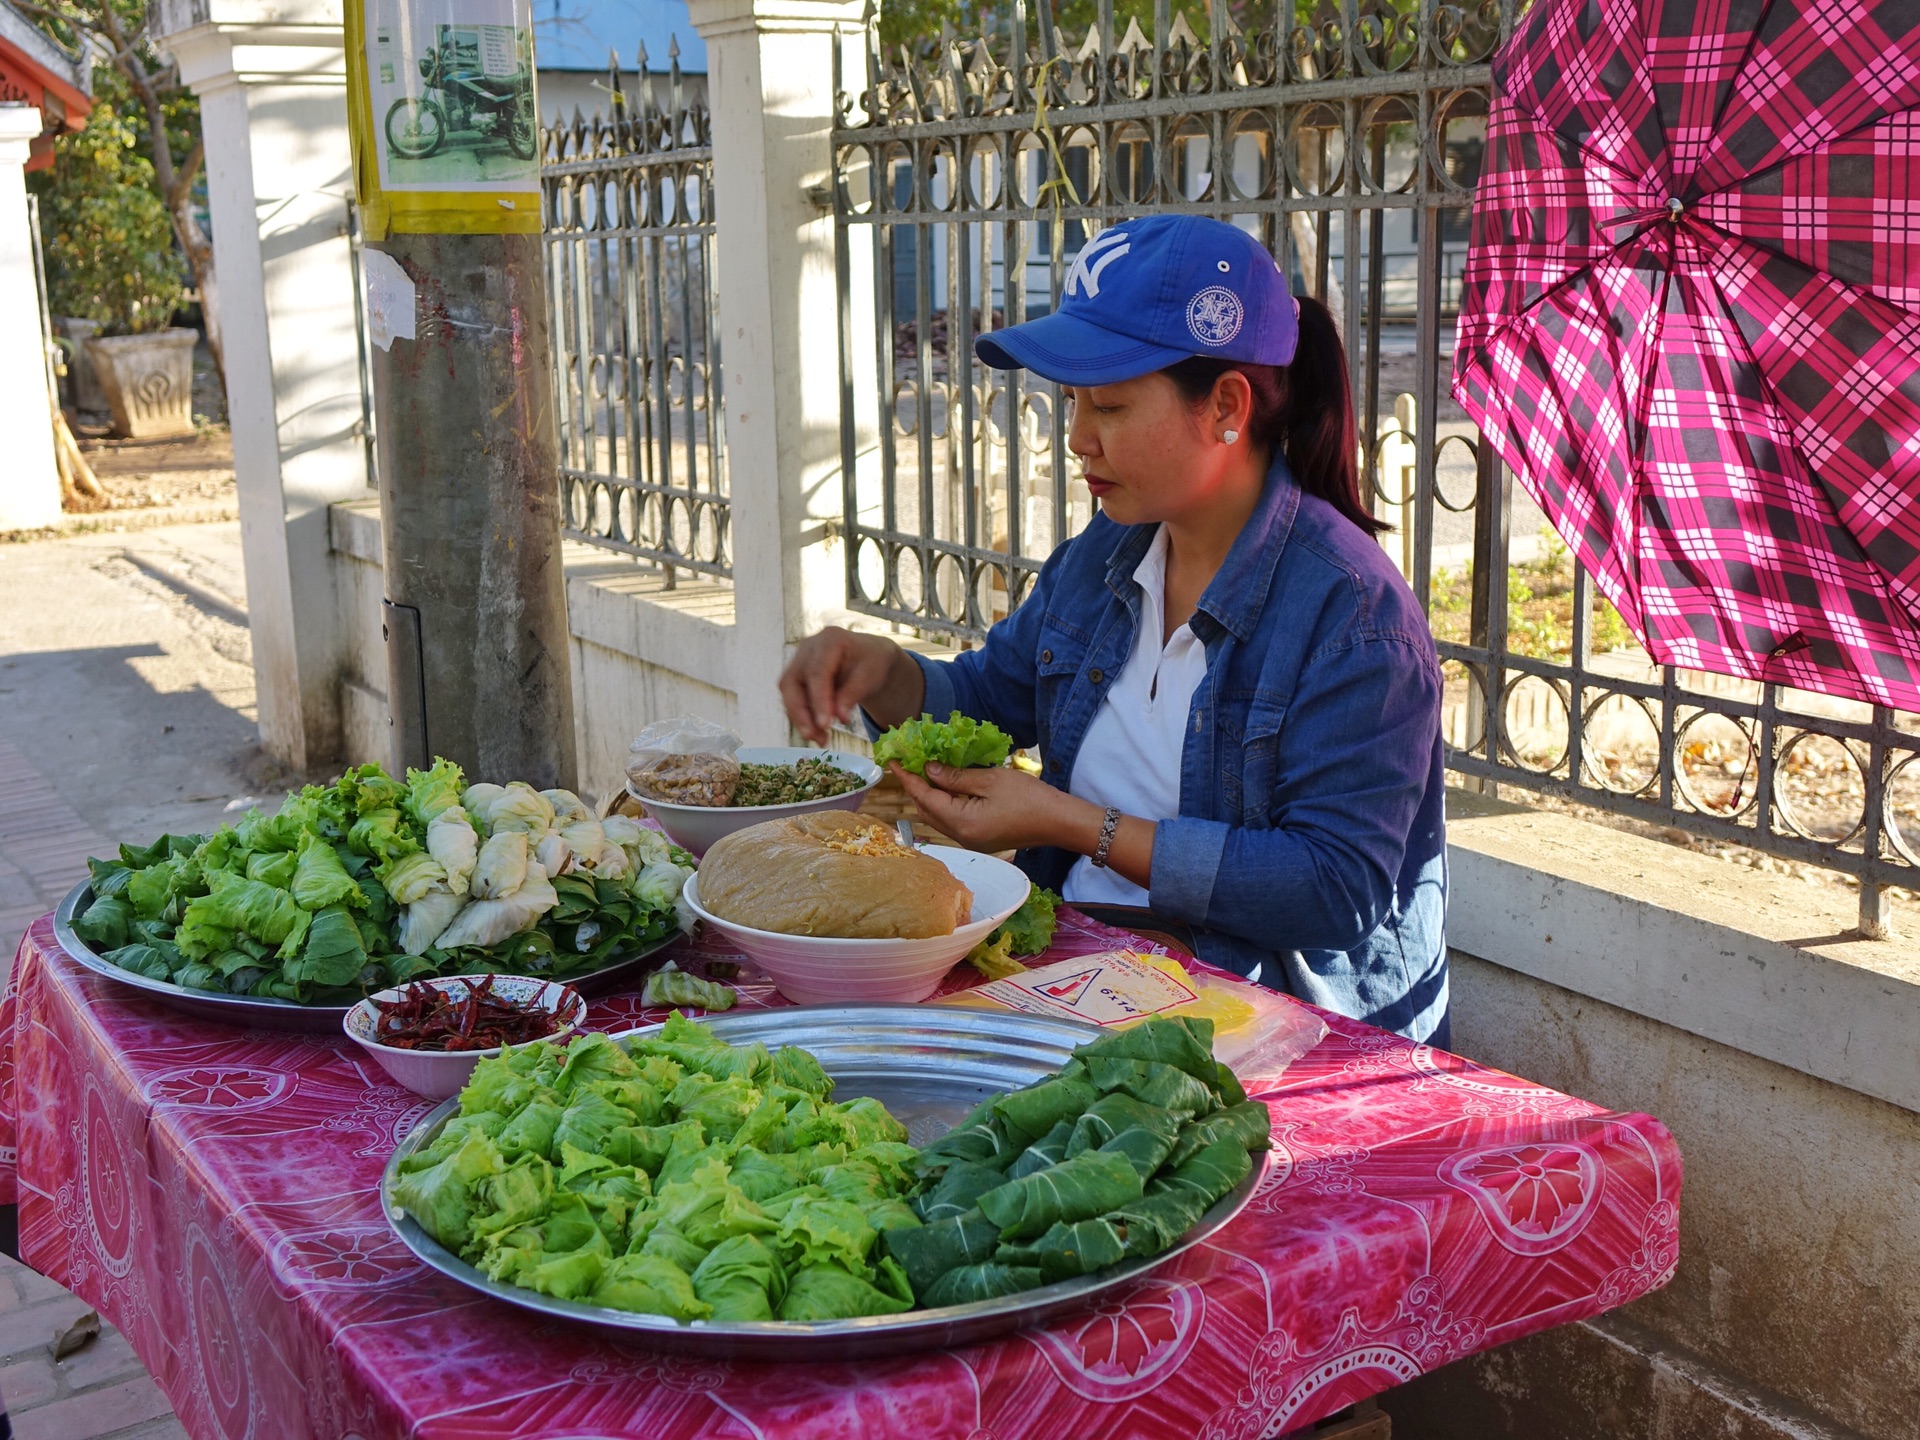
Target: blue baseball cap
<point x="1144" y="294"/>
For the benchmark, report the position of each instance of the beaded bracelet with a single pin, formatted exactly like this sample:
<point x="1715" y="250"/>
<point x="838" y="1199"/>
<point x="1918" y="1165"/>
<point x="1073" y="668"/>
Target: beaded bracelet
<point x="1107" y="827"/>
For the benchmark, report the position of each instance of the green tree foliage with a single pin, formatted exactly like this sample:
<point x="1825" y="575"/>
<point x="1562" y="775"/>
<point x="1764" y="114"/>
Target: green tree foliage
<point x="108" y="237"/>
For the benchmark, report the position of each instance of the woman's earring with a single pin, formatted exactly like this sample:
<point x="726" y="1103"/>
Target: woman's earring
<point x="1231" y="436"/>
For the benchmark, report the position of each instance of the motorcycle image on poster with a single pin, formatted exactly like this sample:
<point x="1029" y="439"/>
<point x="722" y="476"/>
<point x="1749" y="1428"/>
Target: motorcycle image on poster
<point x="453" y="95"/>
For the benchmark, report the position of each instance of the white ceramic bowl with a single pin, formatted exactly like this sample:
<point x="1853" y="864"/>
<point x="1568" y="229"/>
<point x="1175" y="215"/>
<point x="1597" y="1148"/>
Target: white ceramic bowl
<point x="695" y="827"/>
<point x="441" y="1074"/>
<point x="821" y="970"/>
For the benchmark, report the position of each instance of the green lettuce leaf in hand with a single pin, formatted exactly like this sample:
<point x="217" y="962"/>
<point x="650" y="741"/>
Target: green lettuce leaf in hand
<point x="826" y="1292"/>
<point x="959" y="741"/>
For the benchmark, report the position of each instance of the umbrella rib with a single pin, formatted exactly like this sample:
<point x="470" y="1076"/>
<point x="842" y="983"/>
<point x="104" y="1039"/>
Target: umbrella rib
<point x="1726" y="99"/>
<point x="1574" y="274"/>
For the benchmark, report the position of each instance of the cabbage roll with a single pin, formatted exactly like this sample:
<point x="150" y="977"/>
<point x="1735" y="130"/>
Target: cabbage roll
<point x="554" y="854"/>
<point x="488" y="922"/>
<point x="650" y="1285"/>
<point x="426" y="919"/>
<point x="741" y="1280"/>
<point x="411" y="876"/>
<point x="1049" y="1149"/>
<point x="501" y="866"/>
<point x="451" y="841"/>
<point x="478" y="801"/>
<point x="958" y="1189"/>
<point x="567" y="806"/>
<point x="1210" y="1173"/>
<point x="521" y="807"/>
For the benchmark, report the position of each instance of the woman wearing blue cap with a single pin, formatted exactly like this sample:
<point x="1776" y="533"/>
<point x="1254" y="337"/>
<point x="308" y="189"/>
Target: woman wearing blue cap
<point x="1233" y="691"/>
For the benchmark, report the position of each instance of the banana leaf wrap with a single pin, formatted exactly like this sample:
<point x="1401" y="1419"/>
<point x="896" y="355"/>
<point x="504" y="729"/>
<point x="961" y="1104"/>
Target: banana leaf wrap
<point x="1038" y="1108"/>
<point x="1068" y="1250"/>
<point x="1049" y="1149"/>
<point x="1247" y="1123"/>
<point x="930" y="1251"/>
<point x="1076" y="1189"/>
<point x="1152" y="1083"/>
<point x="957" y="1190"/>
<point x="1184" y="1042"/>
<point x="969" y="1283"/>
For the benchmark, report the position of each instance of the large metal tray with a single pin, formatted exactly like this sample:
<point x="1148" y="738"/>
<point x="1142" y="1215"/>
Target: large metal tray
<point x="929" y="1065"/>
<point x="263" y="1013"/>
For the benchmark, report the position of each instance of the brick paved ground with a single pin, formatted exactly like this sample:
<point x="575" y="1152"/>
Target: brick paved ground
<point x="126" y="698"/>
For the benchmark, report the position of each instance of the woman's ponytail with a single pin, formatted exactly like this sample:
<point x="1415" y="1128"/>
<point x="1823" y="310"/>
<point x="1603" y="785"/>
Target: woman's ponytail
<point x="1303" y="411"/>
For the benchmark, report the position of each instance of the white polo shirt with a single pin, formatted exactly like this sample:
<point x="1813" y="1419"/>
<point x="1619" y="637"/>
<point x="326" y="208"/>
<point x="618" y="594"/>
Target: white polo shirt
<point x="1131" y="756"/>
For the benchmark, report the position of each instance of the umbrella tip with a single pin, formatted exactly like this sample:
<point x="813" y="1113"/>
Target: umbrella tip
<point x="1675" y="206"/>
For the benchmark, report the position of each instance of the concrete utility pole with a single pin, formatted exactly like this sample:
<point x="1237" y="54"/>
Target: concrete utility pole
<point x="446" y="162"/>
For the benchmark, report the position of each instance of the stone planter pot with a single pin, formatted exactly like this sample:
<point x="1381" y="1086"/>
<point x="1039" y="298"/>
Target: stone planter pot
<point x="148" y="381"/>
<point x="83" y="386"/>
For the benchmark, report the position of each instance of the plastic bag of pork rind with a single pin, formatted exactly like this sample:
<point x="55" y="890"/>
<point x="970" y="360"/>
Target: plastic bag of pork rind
<point x="684" y="761"/>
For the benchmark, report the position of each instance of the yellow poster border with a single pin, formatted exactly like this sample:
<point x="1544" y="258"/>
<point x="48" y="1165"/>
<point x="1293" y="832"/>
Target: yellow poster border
<point x="410" y="212"/>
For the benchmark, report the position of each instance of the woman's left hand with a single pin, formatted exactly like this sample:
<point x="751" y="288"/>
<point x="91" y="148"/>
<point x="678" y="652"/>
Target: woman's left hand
<point x="998" y="808"/>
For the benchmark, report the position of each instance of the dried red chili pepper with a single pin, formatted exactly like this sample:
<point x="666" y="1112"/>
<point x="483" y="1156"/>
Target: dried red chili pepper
<point x="426" y="1017"/>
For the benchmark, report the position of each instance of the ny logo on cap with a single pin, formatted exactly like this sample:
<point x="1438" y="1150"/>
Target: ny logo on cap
<point x="1099" y="253"/>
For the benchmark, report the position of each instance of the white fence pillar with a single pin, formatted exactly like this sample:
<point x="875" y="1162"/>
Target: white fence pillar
<point x="272" y="86"/>
<point x="770" y="86"/>
<point x="29" y="483"/>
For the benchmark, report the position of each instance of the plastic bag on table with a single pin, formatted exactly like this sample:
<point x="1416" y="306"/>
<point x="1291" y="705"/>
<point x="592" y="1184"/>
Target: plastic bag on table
<point x="684" y="761"/>
<point x="1256" y="1031"/>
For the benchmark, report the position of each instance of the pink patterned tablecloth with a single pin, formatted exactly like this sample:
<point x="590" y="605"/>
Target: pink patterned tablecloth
<point x="213" y="1192"/>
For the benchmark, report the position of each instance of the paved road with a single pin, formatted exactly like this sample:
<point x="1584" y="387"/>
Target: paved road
<point x="126" y="709"/>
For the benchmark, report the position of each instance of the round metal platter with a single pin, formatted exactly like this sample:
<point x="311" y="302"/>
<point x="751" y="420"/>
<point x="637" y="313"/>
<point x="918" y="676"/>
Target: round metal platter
<point x="929" y="1065"/>
<point x="264" y="1013"/>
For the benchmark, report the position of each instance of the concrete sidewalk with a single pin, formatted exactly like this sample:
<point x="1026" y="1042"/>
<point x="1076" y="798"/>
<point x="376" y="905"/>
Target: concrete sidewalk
<point x="126" y="709"/>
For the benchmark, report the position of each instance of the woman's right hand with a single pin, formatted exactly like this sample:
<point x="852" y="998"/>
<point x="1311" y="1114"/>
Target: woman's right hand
<point x="836" y="672"/>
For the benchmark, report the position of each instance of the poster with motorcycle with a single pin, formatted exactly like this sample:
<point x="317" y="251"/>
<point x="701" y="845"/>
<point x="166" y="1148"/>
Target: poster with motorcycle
<point x="451" y="83"/>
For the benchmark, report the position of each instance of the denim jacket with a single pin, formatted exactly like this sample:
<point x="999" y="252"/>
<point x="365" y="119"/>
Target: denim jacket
<point x="1311" y="839"/>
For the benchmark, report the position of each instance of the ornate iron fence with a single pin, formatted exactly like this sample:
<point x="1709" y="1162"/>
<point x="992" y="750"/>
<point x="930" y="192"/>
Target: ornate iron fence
<point x="628" y="198"/>
<point x="1347" y="138"/>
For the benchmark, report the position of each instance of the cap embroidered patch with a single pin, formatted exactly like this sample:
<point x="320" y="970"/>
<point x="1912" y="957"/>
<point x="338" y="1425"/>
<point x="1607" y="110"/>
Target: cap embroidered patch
<point x="1147" y="293"/>
<point x="1215" y="315"/>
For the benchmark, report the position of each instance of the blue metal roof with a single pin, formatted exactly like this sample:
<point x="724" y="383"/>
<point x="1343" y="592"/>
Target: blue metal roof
<point x="577" y="34"/>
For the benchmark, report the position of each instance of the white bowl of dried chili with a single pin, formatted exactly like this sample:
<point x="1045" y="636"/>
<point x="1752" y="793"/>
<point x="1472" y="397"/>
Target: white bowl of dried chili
<point x="428" y="1035"/>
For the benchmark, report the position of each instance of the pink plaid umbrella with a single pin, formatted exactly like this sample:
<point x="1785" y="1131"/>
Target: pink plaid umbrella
<point x="1691" y="323"/>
